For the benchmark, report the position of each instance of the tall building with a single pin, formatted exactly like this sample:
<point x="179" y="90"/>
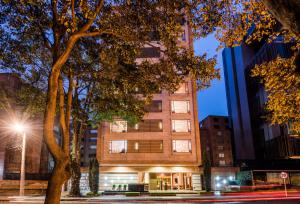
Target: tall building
<point x="215" y="134"/>
<point x="88" y="147"/>
<point x="258" y="145"/>
<point x="163" y="150"/>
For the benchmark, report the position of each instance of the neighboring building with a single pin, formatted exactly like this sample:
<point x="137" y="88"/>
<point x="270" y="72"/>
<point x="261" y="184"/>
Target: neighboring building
<point x="258" y="145"/>
<point x="163" y="150"/>
<point x="10" y="145"/>
<point x="88" y="147"/>
<point x="215" y="136"/>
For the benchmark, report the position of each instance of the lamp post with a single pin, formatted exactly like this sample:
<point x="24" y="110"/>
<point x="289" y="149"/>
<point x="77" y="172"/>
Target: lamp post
<point x="20" y="128"/>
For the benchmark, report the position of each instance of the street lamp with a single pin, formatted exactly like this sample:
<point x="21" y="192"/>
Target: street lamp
<point x="21" y="129"/>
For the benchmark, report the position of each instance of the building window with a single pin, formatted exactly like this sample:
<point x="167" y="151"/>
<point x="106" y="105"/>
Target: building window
<point x="222" y="162"/>
<point x="149" y="52"/>
<point x="118" y="146"/>
<point x="183" y="88"/>
<point x="145" y="146"/>
<point x="217" y="126"/>
<point x="154" y="106"/>
<point x="147" y="126"/>
<point x="182" y="146"/>
<point x="92" y="155"/>
<point x="93" y="146"/>
<point x="216" y="119"/>
<point x="118" y="126"/>
<point x="183" y="36"/>
<point x="220" y="147"/>
<point x="180" y="106"/>
<point x="221" y="155"/>
<point x="93" y="139"/>
<point x="136" y="146"/>
<point x="93" y="131"/>
<point x="181" y="125"/>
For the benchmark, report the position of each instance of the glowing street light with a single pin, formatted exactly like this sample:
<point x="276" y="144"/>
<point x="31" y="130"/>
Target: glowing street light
<point x="20" y="128"/>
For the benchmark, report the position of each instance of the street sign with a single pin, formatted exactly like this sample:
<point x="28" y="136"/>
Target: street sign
<point x="283" y="175"/>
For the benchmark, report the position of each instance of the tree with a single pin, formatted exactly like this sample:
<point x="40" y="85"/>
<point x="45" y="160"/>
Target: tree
<point x="206" y="170"/>
<point x="282" y="85"/>
<point x="243" y="21"/>
<point x="94" y="176"/>
<point x="48" y="39"/>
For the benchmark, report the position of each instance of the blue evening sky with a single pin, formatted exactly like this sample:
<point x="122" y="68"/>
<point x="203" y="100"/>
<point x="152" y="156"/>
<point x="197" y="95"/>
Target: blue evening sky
<point x="211" y="101"/>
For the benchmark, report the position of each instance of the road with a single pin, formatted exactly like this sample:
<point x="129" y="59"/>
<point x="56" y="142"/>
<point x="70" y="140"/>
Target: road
<point x="100" y="202"/>
<point x="276" y="197"/>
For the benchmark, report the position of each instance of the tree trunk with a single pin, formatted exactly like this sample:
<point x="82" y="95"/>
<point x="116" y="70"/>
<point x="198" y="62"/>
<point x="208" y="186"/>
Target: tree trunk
<point x="60" y="174"/>
<point x="75" y="179"/>
<point x="287" y="12"/>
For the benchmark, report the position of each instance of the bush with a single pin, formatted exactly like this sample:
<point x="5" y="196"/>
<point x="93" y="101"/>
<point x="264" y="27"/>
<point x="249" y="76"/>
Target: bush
<point x="91" y="194"/>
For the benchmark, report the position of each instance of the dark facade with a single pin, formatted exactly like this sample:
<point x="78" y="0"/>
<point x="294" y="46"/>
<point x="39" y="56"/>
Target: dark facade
<point x="36" y="156"/>
<point x="215" y="137"/>
<point x="254" y="137"/>
<point x="88" y="147"/>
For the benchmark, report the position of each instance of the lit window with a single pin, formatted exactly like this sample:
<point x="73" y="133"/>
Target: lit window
<point x="93" y="147"/>
<point x="118" y="146"/>
<point x="182" y="146"/>
<point x="136" y="126"/>
<point x="118" y="126"/>
<point x="136" y="146"/>
<point x="180" y="106"/>
<point x="221" y="155"/>
<point x="222" y="163"/>
<point x="93" y="131"/>
<point x="160" y="125"/>
<point x="181" y="125"/>
<point x="183" y="88"/>
<point x="219" y="133"/>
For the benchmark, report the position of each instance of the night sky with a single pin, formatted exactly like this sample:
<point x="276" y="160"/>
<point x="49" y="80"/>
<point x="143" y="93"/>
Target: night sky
<point x="211" y="101"/>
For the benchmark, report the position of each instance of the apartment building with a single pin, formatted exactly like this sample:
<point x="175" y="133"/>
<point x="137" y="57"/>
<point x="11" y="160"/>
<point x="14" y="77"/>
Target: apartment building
<point x="36" y="156"/>
<point x="162" y="150"/>
<point x="215" y="134"/>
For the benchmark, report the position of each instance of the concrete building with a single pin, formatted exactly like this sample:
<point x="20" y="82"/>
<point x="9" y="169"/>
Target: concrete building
<point x="215" y="134"/>
<point x="163" y="150"/>
<point x="258" y="146"/>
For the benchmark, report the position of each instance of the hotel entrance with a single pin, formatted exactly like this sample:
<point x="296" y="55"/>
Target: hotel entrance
<point x="170" y="181"/>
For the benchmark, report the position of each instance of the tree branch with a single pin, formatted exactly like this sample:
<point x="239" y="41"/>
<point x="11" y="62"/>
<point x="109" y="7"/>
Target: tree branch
<point x="287" y="12"/>
<point x="91" y="20"/>
<point x="62" y="117"/>
<point x="73" y="15"/>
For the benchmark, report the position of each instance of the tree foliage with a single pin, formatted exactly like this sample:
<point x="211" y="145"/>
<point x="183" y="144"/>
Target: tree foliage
<point x="90" y="48"/>
<point x="282" y="85"/>
<point x="250" y="21"/>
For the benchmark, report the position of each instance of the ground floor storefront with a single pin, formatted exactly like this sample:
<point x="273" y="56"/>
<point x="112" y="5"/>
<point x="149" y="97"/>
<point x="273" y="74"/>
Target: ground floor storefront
<point x="154" y="178"/>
